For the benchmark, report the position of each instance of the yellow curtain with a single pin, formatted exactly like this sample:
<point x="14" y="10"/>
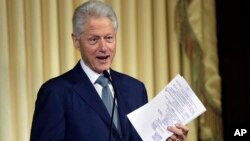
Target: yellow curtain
<point x="197" y="37"/>
<point x="35" y="45"/>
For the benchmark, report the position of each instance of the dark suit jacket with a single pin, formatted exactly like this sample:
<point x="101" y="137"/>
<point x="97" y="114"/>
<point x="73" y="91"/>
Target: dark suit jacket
<point x="68" y="108"/>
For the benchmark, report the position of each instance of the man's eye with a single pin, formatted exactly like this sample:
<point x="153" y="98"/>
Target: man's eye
<point x="92" y="41"/>
<point x="109" y="39"/>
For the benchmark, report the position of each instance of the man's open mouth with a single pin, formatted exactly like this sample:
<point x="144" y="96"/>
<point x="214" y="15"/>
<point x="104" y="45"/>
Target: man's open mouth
<point x="103" y="57"/>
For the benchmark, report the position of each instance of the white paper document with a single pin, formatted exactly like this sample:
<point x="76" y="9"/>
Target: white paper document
<point x="176" y="103"/>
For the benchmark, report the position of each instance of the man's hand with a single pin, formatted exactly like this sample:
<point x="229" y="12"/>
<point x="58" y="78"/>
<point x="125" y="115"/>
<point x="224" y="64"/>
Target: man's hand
<point x="180" y="132"/>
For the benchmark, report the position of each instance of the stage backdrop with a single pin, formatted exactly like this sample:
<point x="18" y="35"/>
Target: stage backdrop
<point x="156" y="40"/>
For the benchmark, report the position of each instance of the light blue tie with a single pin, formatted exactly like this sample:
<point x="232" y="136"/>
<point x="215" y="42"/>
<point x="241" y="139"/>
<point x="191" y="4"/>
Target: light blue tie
<point x="108" y="99"/>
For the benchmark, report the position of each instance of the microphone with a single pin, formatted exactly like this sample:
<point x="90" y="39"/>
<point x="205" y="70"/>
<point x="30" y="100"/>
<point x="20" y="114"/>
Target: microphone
<point x="106" y="74"/>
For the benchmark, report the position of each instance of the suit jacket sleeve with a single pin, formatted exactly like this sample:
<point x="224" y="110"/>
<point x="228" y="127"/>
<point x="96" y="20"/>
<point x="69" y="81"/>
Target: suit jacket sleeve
<point x="48" y="120"/>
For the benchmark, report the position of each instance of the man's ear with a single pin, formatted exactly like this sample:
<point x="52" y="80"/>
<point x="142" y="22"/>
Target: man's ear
<point x="75" y="40"/>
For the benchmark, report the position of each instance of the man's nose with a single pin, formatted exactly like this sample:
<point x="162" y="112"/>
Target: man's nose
<point x="102" y="44"/>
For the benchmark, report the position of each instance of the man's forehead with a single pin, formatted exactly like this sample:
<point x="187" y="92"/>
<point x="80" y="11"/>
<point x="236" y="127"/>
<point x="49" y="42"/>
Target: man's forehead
<point x="99" y="27"/>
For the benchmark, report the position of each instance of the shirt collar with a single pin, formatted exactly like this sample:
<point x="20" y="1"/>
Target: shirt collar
<point x="92" y="75"/>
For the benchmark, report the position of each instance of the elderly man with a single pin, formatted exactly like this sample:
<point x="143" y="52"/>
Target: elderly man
<point x="91" y="101"/>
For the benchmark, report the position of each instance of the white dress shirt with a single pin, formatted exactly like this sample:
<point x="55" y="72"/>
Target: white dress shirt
<point x="93" y="76"/>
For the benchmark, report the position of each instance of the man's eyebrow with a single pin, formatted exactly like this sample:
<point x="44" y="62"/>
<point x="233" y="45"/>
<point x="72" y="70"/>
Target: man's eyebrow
<point x="93" y="35"/>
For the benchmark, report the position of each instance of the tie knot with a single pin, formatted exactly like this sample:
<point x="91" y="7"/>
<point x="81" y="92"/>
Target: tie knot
<point x="103" y="81"/>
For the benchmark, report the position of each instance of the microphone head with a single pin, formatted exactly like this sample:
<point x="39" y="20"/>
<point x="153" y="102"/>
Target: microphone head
<point x="106" y="74"/>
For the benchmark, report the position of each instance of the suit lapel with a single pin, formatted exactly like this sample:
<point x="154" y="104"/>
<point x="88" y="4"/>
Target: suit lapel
<point x="122" y="107"/>
<point x="85" y="89"/>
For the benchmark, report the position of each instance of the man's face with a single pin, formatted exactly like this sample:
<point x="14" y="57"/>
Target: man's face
<point x="97" y="43"/>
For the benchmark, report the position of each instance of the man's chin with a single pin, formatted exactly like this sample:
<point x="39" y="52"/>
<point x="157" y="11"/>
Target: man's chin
<point x="100" y="70"/>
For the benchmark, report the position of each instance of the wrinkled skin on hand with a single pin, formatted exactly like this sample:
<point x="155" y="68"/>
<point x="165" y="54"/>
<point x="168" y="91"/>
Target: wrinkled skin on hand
<point x="180" y="132"/>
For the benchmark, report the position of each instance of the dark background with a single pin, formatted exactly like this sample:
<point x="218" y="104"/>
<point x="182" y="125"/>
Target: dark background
<point x="233" y="35"/>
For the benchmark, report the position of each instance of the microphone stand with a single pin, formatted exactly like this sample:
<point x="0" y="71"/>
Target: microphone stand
<point x="106" y="74"/>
